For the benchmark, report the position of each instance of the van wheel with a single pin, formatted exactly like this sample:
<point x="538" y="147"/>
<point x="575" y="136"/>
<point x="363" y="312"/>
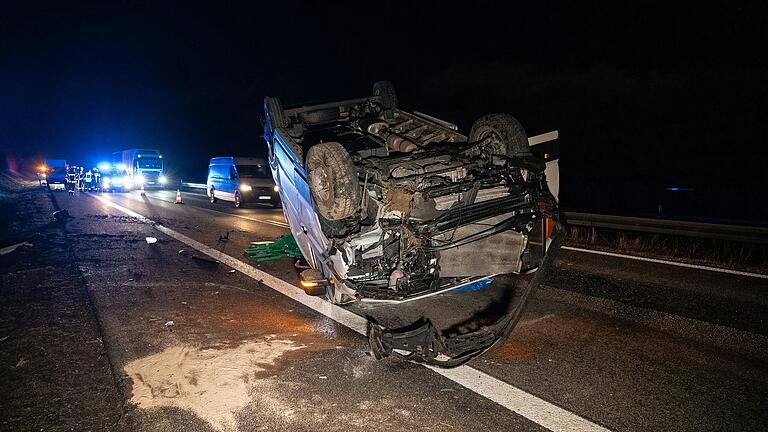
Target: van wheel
<point x="275" y="112"/>
<point x="504" y="133"/>
<point x="238" y="203"/>
<point x="212" y="196"/>
<point x="385" y="91"/>
<point x="333" y="181"/>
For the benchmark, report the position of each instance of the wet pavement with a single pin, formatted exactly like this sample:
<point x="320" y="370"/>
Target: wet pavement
<point x="196" y="346"/>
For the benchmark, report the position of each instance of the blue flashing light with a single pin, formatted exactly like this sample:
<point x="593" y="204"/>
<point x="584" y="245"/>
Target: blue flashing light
<point x="676" y="189"/>
<point x="104" y="166"/>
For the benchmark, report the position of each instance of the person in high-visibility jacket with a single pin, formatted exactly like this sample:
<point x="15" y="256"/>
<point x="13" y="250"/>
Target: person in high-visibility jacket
<point x="71" y="180"/>
<point x="96" y="179"/>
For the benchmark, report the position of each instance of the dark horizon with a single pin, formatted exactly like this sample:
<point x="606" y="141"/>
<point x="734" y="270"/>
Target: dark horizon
<point x="645" y="96"/>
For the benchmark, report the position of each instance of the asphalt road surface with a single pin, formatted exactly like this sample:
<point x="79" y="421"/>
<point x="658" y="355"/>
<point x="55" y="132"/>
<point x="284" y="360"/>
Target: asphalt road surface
<point x="606" y="344"/>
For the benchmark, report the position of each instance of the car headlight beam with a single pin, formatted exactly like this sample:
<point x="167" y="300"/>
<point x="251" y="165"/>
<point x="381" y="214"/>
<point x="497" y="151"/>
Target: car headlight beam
<point x="245" y="188"/>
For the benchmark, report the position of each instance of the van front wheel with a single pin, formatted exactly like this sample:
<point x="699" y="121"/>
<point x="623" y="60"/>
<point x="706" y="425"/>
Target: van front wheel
<point x="212" y="196"/>
<point x="238" y="203"/>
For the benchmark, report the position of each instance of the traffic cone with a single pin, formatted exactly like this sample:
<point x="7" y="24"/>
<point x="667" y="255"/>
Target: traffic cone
<point x="178" y="197"/>
<point x="142" y="190"/>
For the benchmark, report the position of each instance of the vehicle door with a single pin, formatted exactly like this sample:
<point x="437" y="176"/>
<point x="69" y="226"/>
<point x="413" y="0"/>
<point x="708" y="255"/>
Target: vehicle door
<point x="232" y="182"/>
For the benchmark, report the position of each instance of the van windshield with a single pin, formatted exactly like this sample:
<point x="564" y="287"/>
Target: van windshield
<point x="252" y="171"/>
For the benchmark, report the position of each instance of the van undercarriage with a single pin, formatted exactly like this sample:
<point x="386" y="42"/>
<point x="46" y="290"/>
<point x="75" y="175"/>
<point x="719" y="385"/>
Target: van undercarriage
<point x="408" y="207"/>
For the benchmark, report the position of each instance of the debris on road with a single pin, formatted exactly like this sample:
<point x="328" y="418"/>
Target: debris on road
<point x="11" y="248"/>
<point x="61" y="215"/>
<point x="285" y="246"/>
<point x="205" y="259"/>
<point x="169" y="323"/>
<point x="232" y="271"/>
<point x="151" y="240"/>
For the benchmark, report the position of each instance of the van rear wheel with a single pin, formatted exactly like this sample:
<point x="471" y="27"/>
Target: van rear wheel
<point x="504" y="134"/>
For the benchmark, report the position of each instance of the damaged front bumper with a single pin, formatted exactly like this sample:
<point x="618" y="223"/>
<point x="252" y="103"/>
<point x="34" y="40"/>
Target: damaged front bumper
<point x="422" y="342"/>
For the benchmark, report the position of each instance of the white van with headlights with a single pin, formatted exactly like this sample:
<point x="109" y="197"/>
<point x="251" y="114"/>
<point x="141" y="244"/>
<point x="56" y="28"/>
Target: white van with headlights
<point x="241" y="180"/>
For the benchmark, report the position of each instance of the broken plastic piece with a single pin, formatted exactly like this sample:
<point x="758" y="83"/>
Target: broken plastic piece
<point x="169" y="323"/>
<point x="11" y="248"/>
<point x="151" y="240"/>
<point x="61" y="214"/>
<point x="205" y="259"/>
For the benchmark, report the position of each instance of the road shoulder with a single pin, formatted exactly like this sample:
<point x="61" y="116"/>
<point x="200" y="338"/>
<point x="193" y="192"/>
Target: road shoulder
<point x="54" y="367"/>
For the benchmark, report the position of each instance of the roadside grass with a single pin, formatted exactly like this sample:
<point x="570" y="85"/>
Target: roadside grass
<point x="751" y="257"/>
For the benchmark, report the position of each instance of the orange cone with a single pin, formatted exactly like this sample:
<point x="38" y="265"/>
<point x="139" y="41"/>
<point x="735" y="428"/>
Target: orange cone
<point x="142" y="190"/>
<point x="178" y="197"/>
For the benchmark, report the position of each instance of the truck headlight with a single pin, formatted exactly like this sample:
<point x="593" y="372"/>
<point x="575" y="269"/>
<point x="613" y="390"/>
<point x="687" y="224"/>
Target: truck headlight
<point x="276" y="188"/>
<point x="163" y="180"/>
<point x="245" y="188"/>
<point x="106" y="180"/>
<point x="139" y="179"/>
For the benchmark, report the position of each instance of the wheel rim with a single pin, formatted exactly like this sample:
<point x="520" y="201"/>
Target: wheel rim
<point x="237" y="199"/>
<point x="495" y="143"/>
<point x="321" y="184"/>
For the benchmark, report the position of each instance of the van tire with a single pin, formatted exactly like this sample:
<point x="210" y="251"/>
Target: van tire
<point x="333" y="181"/>
<point x="212" y="196"/>
<point x="385" y="91"/>
<point x="276" y="113"/>
<point x="508" y="134"/>
<point x="238" y="200"/>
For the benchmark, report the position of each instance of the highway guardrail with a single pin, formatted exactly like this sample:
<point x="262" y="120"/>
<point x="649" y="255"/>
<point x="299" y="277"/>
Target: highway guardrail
<point x="739" y="233"/>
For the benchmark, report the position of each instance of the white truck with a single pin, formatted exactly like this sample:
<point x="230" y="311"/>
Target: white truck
<point x="142" y="167"/>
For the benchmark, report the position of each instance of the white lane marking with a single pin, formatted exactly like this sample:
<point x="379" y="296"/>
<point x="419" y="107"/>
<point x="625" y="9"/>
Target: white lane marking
<point x="276" y="223"/>
<point x="265" y="221"/>
<point x="672" y="263"/>
<point x="510" y="397"/>
<point x="527" y="405"/>
<point x="343" y="316"/>
<point x="195" y="185"/>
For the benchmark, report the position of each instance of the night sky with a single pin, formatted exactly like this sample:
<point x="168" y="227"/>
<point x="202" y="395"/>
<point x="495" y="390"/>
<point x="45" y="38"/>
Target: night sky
<point x="645" y="96"/>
